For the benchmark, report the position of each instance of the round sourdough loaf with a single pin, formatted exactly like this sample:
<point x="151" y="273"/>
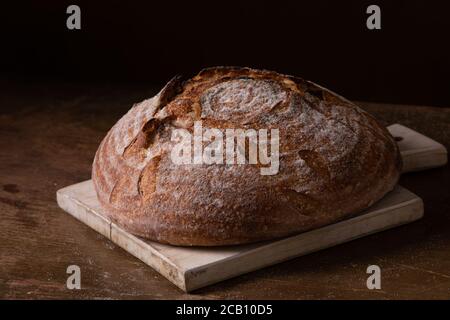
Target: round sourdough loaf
<point x="335" y="160"/>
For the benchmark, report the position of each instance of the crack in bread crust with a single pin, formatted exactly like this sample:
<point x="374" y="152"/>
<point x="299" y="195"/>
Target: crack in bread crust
<point x="335" y="160"/>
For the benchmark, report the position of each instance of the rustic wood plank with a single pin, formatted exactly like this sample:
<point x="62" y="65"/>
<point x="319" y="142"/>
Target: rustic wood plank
<point x="50" y="132"/>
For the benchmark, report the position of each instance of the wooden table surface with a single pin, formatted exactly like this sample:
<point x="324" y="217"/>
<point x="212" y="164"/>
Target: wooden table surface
<point x="48" y="137"/>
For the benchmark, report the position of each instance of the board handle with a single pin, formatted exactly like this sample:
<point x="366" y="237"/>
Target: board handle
<point x="418" y="151"/>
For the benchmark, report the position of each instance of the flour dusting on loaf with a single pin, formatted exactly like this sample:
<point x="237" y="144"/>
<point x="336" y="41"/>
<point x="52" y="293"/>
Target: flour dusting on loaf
<point x="241" y="98"/>
<point x="335" y="160"/>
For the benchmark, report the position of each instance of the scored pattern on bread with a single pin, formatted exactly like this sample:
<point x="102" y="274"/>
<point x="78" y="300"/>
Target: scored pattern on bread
<point x="335" y="161"/>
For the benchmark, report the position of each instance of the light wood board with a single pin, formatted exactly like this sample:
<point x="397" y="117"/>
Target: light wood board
<point x="418" y="151"/>
<point x="195" y="267"/>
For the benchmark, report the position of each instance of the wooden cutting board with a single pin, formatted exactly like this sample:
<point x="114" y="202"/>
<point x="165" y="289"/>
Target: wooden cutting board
<point x="191" y="268"/>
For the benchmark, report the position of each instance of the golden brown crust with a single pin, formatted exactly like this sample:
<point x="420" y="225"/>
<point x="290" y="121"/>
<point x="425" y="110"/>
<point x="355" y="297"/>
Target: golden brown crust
<point x="335" y="160"/>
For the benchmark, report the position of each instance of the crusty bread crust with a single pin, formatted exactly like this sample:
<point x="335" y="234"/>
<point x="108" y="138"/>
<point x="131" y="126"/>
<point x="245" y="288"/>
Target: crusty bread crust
<point x="335" y="161"/>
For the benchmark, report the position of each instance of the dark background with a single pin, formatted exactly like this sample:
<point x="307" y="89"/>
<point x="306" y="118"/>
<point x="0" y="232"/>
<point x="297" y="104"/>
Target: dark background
<point x="146" y="43"/>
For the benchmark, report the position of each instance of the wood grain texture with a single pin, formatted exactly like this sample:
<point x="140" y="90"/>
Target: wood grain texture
<point x="51" y="133"/>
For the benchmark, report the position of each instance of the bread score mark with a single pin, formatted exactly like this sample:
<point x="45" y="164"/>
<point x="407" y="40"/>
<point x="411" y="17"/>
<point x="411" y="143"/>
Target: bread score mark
<point x="227" y="146"/>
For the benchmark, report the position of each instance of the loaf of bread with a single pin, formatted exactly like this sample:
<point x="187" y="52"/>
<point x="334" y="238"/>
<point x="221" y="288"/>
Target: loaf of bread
<point x="334" y="160"/>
